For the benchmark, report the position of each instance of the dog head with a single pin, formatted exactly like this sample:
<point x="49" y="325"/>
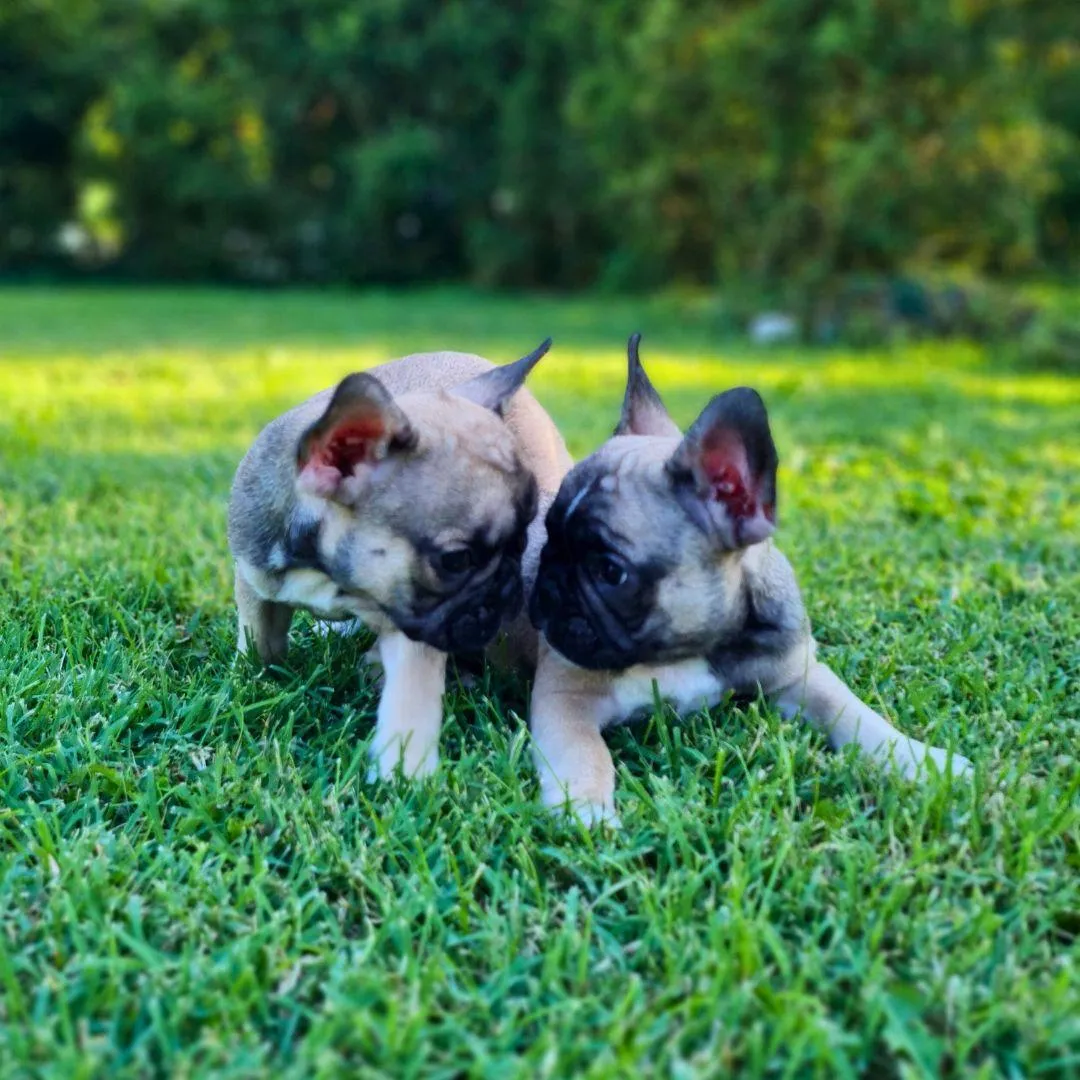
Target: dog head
<point x="418" y="506"/>
<point x="645" y="538"/>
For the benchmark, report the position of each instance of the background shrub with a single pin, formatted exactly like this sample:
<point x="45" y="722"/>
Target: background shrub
<point x="757" y="142"/>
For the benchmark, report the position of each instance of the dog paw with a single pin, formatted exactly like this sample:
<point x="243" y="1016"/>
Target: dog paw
<point x="596" y="815"/>
<point x="910" y="759"/>
<point x="960" y="765"/>
<point x="593" y="811"/>
<point x="393" y="758"/>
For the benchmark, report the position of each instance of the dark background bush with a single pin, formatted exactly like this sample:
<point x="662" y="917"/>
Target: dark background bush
<point x="557" y="143"/>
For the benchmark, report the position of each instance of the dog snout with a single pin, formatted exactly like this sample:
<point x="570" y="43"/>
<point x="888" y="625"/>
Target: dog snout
<point x="475" y="621"/>
<point x="473" y="630"/>
<point x="556" y="610"/>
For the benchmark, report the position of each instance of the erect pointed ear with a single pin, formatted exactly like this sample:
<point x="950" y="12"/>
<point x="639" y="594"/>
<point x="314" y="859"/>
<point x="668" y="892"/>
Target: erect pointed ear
<point x="643" y="412"/>
<point x="495" y="388"/>
<point x="360" y="427"/>
<point x="724" y="471"/>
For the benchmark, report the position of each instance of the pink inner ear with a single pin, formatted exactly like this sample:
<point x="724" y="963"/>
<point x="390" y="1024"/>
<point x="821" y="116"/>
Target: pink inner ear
<point x="724" y="464"/>
<point x="348" y="445"/>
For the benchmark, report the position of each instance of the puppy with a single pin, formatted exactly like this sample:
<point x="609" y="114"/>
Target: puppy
<point x="658" y="568"/>
<point x="406" y="498"/>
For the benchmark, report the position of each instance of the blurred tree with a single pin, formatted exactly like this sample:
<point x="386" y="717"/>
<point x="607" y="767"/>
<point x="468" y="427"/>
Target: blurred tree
<point x="388" y="141"/>
<point x="50" y="71"/>
<point x="751" y="143"/>
<point x="1049" y="32"/>
<point x="791" y="139"/>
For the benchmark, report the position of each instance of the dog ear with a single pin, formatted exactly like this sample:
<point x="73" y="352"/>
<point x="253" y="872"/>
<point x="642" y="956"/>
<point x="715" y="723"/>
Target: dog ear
<point x="724" y="471"/>
<point x="495" y="388"/>
<point x="643" y="412"/>
<point x="360" y="427"/>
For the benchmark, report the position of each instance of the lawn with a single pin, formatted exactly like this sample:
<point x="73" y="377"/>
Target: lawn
<point x="197" y="881"/>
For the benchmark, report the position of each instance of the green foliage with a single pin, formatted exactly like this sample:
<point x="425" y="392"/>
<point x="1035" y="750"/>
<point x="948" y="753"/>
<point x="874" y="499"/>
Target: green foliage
<point x="389" y="141"/>
<point x="752" y="144"/>
<point x="50" y="70"/>
<point x="197" y="881"/>
<point x="790" y="139"/>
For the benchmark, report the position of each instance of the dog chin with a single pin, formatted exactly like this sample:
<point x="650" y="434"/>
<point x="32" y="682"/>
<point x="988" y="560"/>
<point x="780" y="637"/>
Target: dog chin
<point x="581" y="647"/>
<point x="576" y="638"/>
<point x="468" y="634"/>
<point x="578" y="641"/>
<point x="592" y="659"/>
<point x="466" y="624"/>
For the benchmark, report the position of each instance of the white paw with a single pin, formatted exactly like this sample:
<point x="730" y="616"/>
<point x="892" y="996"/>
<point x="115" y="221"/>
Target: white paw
<point x="596" y="815"/>
<point x="414" y="761"/>
<point x="960" y="765"/>
<point x="592" y="811"/>
<point x="909" y="758"/>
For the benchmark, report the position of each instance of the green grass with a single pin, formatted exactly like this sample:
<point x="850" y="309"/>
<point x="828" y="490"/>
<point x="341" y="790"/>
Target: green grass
<point x="197" y="881"/>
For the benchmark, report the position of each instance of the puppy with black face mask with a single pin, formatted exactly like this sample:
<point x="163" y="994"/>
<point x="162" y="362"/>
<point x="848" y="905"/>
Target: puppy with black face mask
<point x="658" y="568"/>
<point x="405" y="498"/>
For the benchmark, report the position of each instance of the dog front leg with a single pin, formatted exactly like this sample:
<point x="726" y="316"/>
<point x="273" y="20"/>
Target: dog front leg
<point x="825" y="701"/>
<point x="565" y="717"/>
<point x="262" y="624"/>
<point x="409" y="716"/>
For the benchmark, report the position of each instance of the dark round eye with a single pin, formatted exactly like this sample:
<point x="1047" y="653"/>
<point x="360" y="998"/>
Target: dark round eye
<point x="610" y="571"/>
<point x="456" y="561"/>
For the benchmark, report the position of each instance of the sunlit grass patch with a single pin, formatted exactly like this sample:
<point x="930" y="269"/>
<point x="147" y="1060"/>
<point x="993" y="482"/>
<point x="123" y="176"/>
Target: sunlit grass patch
<point x="196" y="880"/>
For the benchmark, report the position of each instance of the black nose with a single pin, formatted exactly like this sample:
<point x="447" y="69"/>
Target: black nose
<point x="473" y="630"/>
<point x="554" y="610"/>
<point x="475" y="624"/>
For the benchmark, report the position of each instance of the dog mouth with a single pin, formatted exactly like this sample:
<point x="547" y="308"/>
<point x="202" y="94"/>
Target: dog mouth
<point x="467" y="621"/>
<point x="575" y="639"/>
<point x="585" y="634"/>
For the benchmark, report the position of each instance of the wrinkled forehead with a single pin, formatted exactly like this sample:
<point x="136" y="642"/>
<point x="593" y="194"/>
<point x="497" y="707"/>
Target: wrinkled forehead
<point x="449" y="426"/>
<point x="619" y="493"/>
<point x="624" y="467"/>
<point x="444" y="495"/>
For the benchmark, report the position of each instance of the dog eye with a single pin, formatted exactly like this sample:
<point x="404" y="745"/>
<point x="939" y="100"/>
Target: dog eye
<point x="456" y="561"/>
<point x="609" y="571"/>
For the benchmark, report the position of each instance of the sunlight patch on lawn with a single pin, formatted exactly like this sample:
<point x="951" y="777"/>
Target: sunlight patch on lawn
<point x="219" y="374"/>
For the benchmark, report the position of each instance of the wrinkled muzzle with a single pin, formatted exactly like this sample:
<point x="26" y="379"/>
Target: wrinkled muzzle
<point x="469" y="620"/>
<point x="576" y="623"/>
